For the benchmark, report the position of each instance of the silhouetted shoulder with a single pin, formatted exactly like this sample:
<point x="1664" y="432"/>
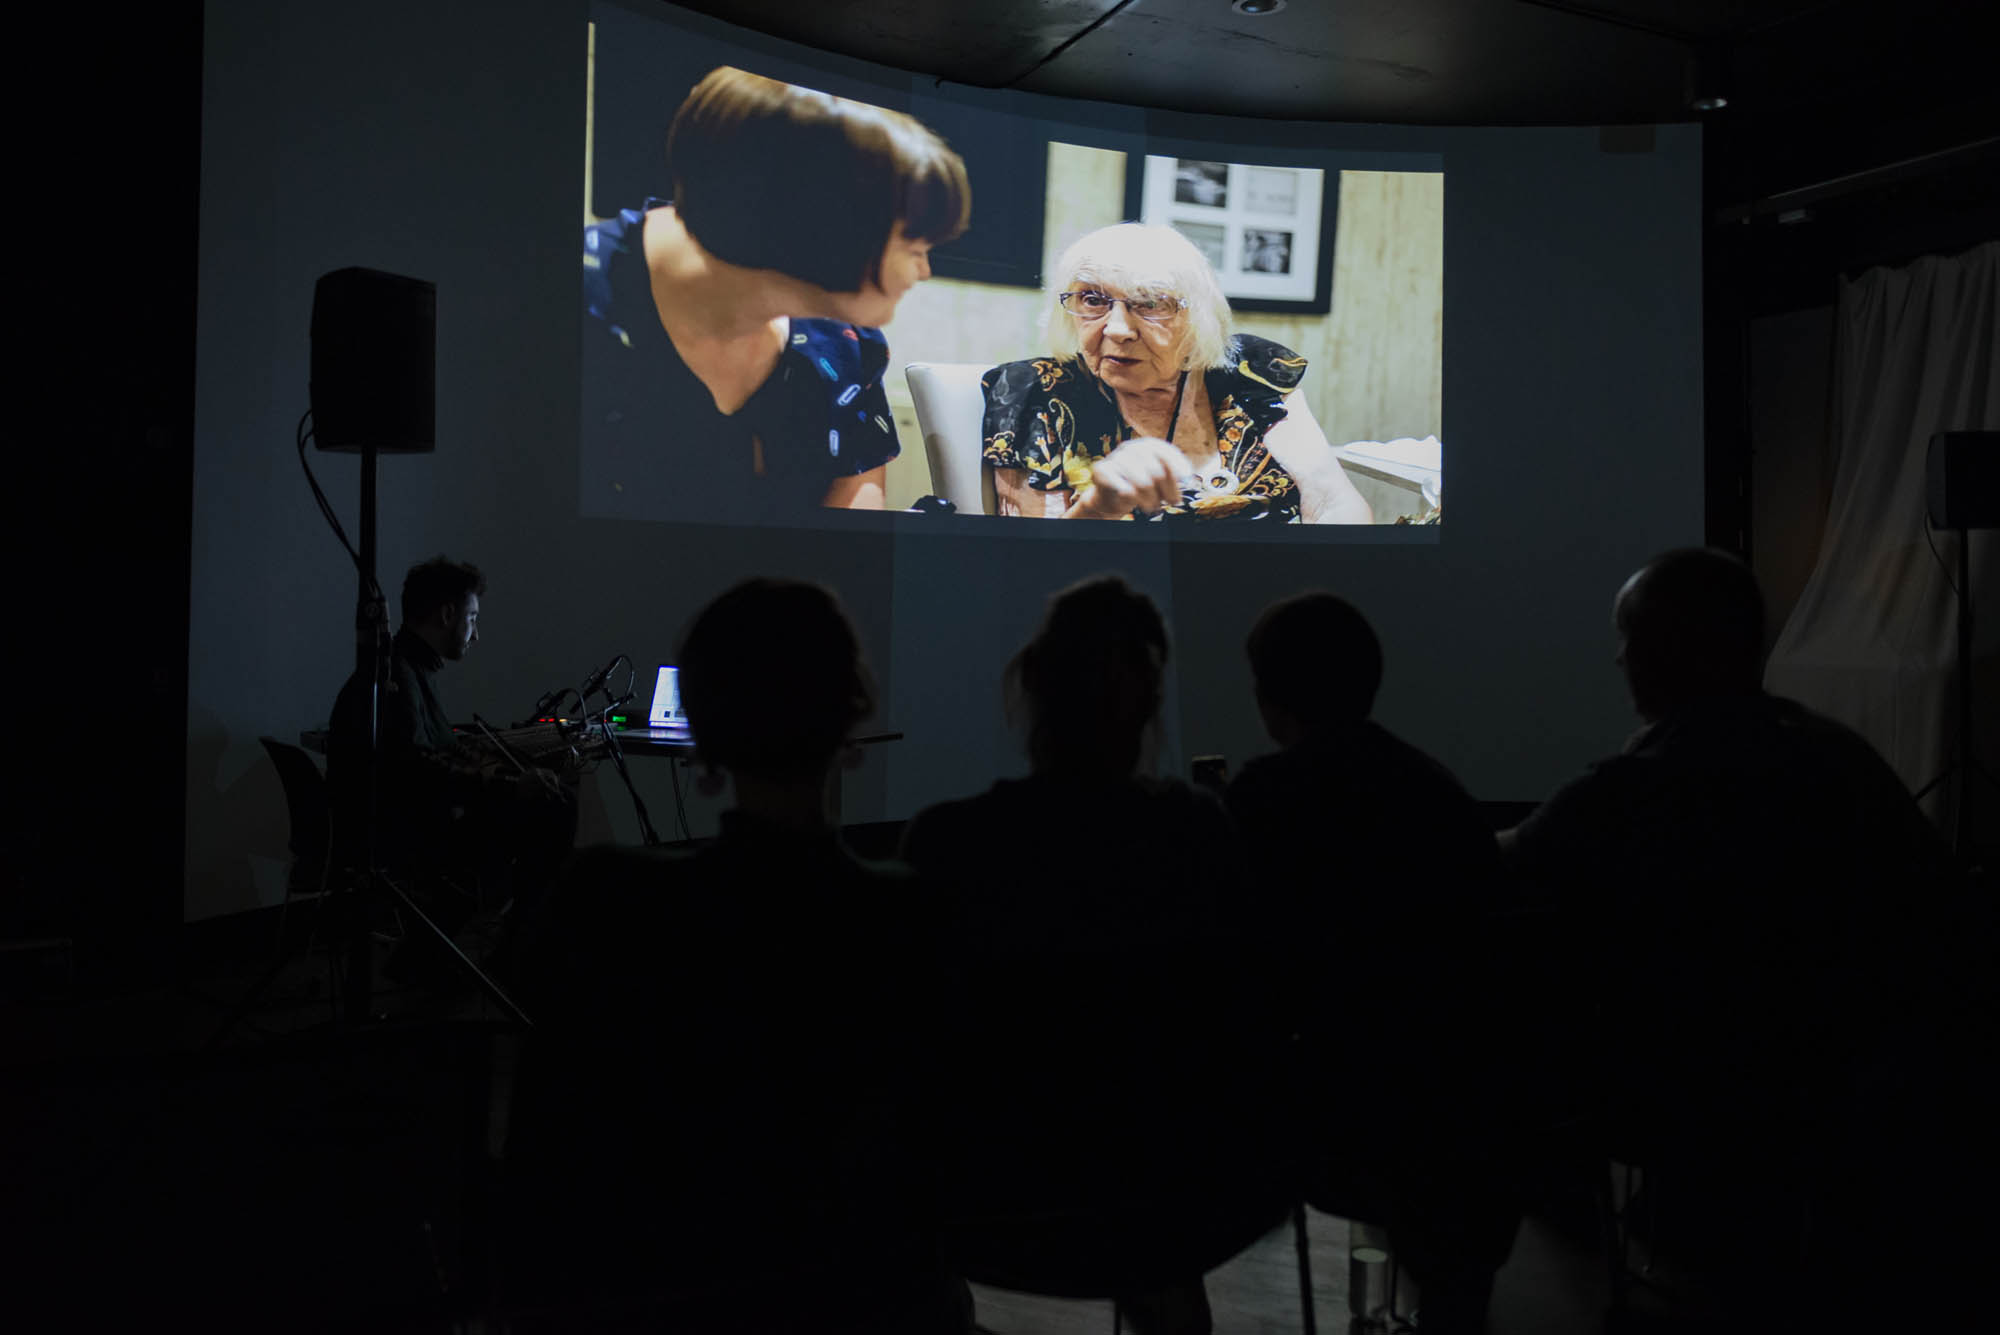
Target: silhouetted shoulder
<point x="1583" y="817"/>
<point x="1346" y="771"/>
<point x="1067" y="863"/>
<point x="1730" y="783"/>
<point x="1884" y="810"/>
<point x="937" y="833"/>
<point x="612" y="877"/>
<point x="1054" y="804"/>
<point x="1822" y="740"/>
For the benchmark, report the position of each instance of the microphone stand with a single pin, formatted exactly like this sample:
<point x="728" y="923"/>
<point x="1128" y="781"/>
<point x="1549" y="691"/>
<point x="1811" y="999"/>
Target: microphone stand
<point x="617" y="752"/>
<point x="1965" y="762"/>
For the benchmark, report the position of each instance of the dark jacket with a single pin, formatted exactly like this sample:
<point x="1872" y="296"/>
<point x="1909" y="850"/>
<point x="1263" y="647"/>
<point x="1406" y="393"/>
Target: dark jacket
<point x="724" y="1100"/>
<point x="423" y="772"/>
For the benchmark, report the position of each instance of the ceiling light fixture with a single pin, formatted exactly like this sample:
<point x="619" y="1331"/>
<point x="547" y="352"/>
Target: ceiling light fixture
<point x="1708" y="79"/>
<point x="1257" y="9"/>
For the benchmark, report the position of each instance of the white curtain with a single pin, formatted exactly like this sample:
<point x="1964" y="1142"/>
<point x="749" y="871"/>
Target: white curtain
<point x="1873" y="639"/>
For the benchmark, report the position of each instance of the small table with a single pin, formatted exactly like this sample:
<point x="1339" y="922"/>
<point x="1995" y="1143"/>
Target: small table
<point x="633" y="741"/>
<point x="676" y="744"/>
<point x="680" y="742"/>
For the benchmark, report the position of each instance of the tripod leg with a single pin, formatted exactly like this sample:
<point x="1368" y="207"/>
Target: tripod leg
<point x="242" y="1009"/>
<point x="260" y="990"/>
<point x="464" y="963"/>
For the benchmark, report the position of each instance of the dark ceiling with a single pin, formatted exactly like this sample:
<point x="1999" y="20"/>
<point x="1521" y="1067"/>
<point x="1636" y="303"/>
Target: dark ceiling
<point x="1435" y="62"/>
<point x="1827" y="99"/>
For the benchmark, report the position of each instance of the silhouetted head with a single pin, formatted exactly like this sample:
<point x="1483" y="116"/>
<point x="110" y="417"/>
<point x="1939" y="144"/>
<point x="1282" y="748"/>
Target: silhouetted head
<point x="441" y="604"/>
<point x="842" y="195"/>
<point x="1690" y="627"/>
<point x="772" y="679"/>
<point x="1089" y="683"/>
<point x="1316" y="662"/>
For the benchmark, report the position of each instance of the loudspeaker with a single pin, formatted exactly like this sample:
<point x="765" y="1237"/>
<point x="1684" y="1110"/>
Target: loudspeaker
<point x="374" y="362"/>
<point x="1962" y="475"/>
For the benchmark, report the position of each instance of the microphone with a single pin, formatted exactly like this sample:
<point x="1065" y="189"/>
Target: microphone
<point x="595" y="681"/>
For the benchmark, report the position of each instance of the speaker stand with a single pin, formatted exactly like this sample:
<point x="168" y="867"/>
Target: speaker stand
<point x="1965" y="763"/>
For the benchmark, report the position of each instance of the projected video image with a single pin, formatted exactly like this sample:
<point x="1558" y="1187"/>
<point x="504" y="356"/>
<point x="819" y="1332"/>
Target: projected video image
<point x="792" y="309"/>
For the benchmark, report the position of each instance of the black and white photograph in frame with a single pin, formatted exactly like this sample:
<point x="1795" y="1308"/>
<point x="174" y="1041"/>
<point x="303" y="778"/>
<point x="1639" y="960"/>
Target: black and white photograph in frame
<point x="1266" y="250"/>
<point x="1271" y="190"/>
<point x="1211" y="239"/>
<point x="1268" y="233"/>
<point x="1203" y="184"/>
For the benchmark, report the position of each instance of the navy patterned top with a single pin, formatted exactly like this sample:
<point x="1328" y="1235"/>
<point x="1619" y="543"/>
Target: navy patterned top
<point x="1054" y="419"/>
<point x="652" y="428"/>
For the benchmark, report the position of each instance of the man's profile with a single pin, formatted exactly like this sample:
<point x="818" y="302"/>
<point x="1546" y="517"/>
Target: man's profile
<point x="440" y="805"/>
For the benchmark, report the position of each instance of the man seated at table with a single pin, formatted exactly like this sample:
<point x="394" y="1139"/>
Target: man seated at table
<point x="441" y="806"/>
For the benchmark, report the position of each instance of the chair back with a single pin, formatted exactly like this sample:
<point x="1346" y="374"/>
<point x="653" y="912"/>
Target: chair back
<point x="305" y="800"/>
<point x="951" y="412"/>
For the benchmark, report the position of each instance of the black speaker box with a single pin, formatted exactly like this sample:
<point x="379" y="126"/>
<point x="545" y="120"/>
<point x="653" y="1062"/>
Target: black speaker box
<point x="374" y="362"/>
<point x="1962" y="483"/>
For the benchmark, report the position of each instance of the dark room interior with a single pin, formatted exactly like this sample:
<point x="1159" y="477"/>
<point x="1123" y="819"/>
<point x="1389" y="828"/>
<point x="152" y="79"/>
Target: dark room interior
<point x="1714" y="273"/>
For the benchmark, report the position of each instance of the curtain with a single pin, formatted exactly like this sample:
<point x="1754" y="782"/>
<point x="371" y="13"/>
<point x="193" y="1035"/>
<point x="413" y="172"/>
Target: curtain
<point x="1873" y="639"/>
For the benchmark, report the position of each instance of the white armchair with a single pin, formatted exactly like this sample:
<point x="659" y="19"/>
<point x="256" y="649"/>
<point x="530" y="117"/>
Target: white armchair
<point x="951" y="412"/>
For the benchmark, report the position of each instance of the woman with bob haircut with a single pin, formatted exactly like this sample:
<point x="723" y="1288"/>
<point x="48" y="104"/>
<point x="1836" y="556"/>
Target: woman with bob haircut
<point x="1149" y="408"/>
<point x="733" y="348"/>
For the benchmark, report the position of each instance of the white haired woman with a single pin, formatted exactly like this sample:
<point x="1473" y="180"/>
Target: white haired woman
<point x="1149" y="408"/>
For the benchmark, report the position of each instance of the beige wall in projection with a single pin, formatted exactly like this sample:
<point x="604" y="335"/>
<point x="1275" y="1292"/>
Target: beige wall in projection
<point x="1376" y="357"/>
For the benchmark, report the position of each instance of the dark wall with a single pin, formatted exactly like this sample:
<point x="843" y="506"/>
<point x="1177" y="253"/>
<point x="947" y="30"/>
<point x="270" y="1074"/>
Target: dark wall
<point x="1790" y="384"/>
<point x="1854" y="138"/>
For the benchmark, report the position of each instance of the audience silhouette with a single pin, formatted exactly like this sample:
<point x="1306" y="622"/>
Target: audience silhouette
<point x="1754" y="898"/>
<point x="719" y="1123"/>
<point x="1382" y="873"/>
<point x="1122" y="1045"/>
<point x="1744" y="874"/>
<point x="1104" y="1029"/>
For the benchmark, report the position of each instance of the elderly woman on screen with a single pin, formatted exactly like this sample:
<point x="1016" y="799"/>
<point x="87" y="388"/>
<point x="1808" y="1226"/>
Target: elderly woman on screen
<point x="1150" y="408"/>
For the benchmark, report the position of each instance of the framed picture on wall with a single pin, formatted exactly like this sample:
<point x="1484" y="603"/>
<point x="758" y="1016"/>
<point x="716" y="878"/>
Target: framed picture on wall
<point x="1267" y="230"/>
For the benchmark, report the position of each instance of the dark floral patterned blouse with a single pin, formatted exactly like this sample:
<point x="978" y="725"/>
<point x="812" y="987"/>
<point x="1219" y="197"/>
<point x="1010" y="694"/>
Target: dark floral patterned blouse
<point x="1053" y="418"/>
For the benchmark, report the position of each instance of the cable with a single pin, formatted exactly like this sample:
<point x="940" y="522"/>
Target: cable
<point x="302" y="434"/>
<point x="680" y="806"/>
<point x="617" y="753"/>
<point x="1938" y="556"/>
